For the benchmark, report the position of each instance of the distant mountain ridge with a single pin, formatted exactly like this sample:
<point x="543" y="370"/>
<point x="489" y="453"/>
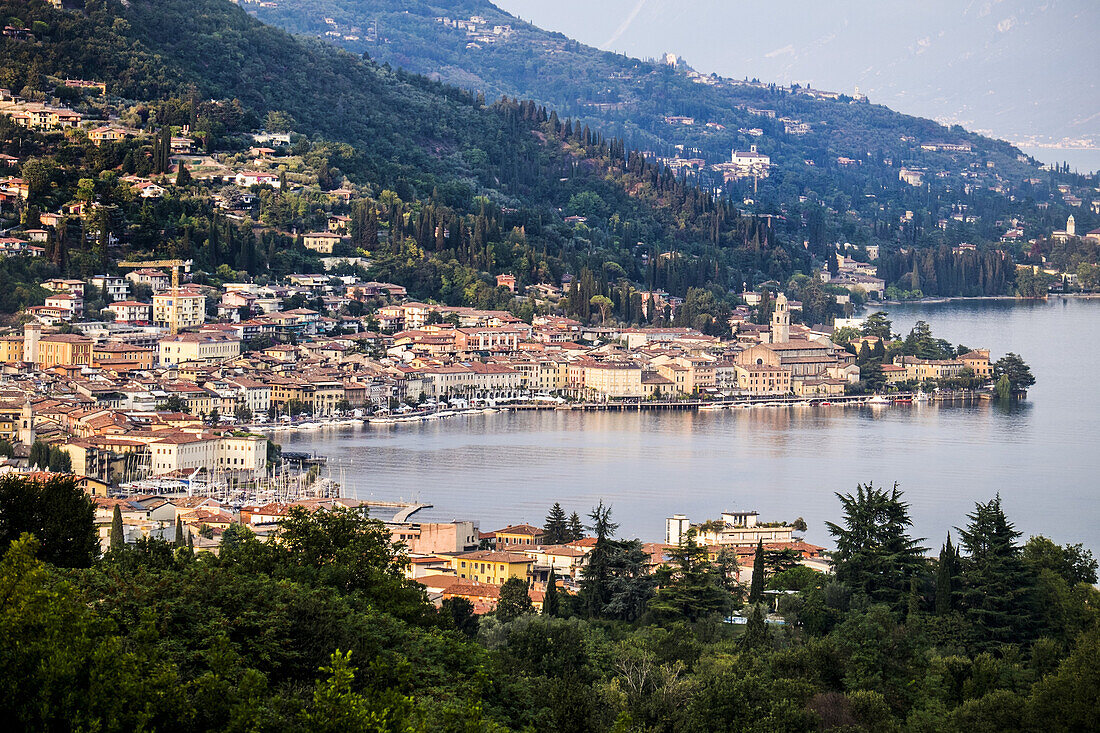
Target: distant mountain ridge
<point x="830" y="149"/>
<point x="1013" y="67"/>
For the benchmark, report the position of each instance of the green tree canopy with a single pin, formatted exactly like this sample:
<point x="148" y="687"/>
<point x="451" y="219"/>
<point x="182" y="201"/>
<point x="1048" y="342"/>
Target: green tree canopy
<point x="875" y="554"/>
<point x="56" y="511"/>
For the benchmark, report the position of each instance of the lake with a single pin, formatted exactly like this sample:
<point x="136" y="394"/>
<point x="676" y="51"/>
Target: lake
<point x="1042" y="454"/>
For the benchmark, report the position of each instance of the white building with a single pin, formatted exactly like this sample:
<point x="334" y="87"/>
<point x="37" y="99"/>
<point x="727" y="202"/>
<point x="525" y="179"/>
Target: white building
<point x="113" y="288"/>
<point x="256" y="178"/>
<point x="184" y="347"/>
<point x="131" y="311"/>
<point x="676" y="528"/>
<point x="185" y="451"/>
<point x="71" y="305"/>
<point x="155" y="279"/>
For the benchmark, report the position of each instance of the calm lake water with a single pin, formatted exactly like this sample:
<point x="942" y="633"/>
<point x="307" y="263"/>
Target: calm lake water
<point x="1042" y="455"/>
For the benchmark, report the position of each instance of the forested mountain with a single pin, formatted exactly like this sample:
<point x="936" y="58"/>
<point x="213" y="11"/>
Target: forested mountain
<point x="834" y="180"/>
<point x="458" y="189"/>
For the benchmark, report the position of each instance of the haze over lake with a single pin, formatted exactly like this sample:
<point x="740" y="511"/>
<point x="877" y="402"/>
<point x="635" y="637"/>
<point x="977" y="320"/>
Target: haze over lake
<point x="1040" y="454"/>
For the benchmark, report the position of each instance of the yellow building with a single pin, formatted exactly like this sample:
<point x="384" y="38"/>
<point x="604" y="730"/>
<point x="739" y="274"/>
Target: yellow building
<point x="978" y="362"/>
<point x="763" y="379"/>
<point x="689" y="374"/>
<point x="120" y="356"/>
<point x="919" y="370"/>
<point x="678" y="374"/>
<point x="9" y="420"/>
<point x="206" y="347"/>
<point x="11" y="349"/>
<point x="189" y="307"/>
<point x="526" y="535"/>
<point x="283" y="391"/>
<point x="66" y="349"/>
<point x="322" y="242"/>
<point x="489" y="566"/>
<point x="818" y="387"/>
<point x="894" y="373"/>
<point x="614" y="379"/>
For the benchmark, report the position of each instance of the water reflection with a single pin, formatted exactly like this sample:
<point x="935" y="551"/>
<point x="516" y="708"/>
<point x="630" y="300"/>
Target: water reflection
<point x="783" y="461"/>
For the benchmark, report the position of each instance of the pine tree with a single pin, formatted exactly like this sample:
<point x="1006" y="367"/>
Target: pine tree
<point x="690" y="586"/>
<point x="875" y="554"/>
<point x="997" y="595"/>
<point x="756" y="587"/>
<point x="576" y="528"/>
<point x="556" y="530"/>
<point x="550" y="601"/>
<point x="118" y="540"/>
<point x="947" y="571"/>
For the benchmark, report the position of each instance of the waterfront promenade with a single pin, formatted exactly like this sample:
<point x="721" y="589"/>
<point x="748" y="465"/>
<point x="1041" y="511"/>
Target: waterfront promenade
<point x="758" y="401"/>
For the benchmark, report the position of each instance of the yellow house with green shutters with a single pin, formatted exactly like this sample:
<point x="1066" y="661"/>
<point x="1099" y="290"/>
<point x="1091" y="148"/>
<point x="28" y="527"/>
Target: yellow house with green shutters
<point x="489" y="566"/>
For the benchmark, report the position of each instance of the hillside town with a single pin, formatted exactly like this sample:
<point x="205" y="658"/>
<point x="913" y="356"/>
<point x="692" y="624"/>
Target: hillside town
<point x="170" y="391"/>
<point x="136" y="370"/>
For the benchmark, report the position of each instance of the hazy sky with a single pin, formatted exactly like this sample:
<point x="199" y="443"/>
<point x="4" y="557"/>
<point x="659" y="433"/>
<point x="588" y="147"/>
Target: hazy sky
<point x="1012" y="68"/>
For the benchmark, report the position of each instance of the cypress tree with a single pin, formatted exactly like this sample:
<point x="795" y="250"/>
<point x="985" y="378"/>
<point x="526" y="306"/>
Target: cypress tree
<point x="756" y="631"/>
<point x="550" y="601"/>
<point x="946" y="578"/>
<point x="179" y="532"/>
<point x="118" y="541"/>
<point x="756" y="587"/>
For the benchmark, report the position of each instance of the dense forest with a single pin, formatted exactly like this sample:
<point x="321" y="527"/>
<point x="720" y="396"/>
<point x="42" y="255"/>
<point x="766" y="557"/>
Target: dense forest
<point x="320" y="631"/>
<point x="945" y="272"/>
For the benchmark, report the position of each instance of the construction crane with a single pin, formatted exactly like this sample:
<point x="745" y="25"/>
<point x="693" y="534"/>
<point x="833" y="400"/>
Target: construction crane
<point x="175" y="266"/>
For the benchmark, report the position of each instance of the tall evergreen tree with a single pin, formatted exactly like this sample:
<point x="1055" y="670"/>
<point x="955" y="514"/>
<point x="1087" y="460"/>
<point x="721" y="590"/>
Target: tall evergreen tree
<point x="118" y="540"/>
<point x="179" y="539"/>
<point x="690" y="586"/>
<point x="947" y="573"/>
<point x="576" y="528"/>
<point x="596" y="571"/>
<point x="875" y="554"/>
<point x="997" y="595"/>
<point x="550" y="600"/>
<point x="756" y="630"/>
<point x="556" y="529"/>
<point x="756" y="586"/>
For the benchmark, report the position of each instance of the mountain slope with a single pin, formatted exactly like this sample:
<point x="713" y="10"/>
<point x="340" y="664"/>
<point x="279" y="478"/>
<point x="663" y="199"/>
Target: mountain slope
<point x="1011" y="66"/>
<point x="848" y="158"/>
<point x="461" y="190"/>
